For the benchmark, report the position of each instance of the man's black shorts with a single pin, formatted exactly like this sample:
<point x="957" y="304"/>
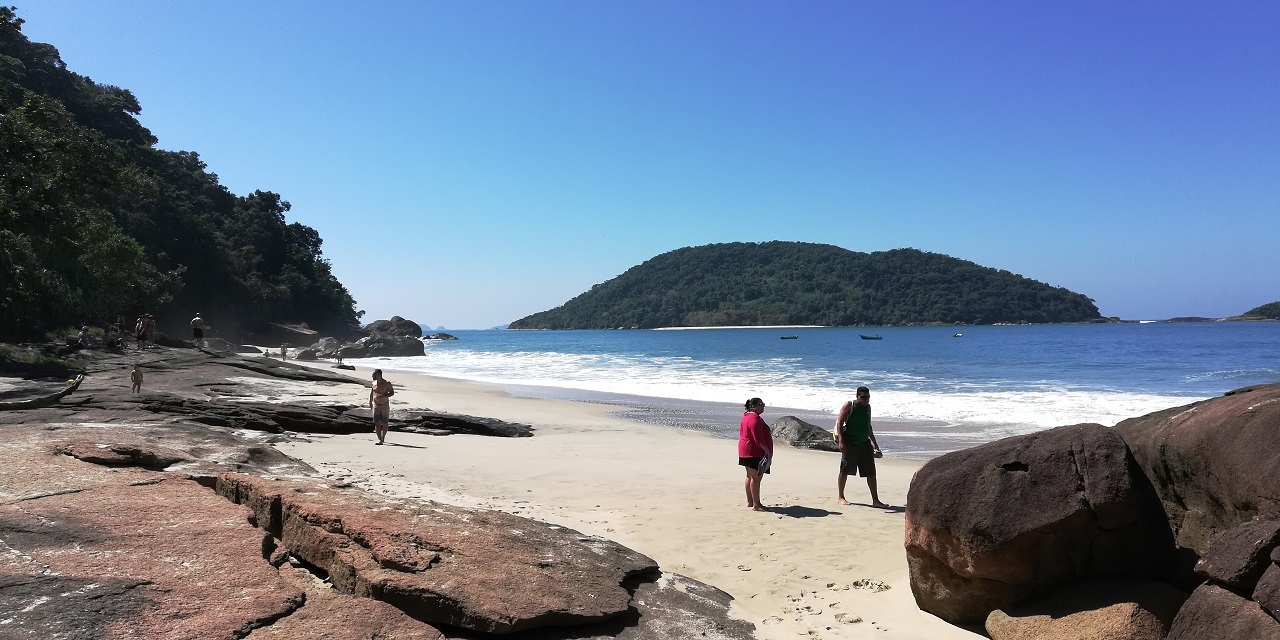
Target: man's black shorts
<point x="751" y="463"/>
<point x="858" y="458"/>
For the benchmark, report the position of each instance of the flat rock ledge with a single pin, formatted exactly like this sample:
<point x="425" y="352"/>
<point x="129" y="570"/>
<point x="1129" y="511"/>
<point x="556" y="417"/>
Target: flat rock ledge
<point x="121" y="522"/>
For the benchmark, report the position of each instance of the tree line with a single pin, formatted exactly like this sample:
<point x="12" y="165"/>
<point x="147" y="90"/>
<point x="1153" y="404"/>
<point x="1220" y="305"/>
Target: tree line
<point x="96" y="222"/>
<point x="781" y="283"/>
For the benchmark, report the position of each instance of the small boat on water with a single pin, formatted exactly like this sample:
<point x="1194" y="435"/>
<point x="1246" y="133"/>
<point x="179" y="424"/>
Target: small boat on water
<point x="866" y="337"/>
<point x="788" y="337"/>
<point x="958" y="335"/>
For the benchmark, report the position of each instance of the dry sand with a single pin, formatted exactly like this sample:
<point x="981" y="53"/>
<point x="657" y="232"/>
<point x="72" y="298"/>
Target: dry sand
<point x="810" y="568"/>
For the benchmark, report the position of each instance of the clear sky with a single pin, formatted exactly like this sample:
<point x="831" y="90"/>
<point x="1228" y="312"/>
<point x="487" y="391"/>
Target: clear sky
<point x="469" y="163"/>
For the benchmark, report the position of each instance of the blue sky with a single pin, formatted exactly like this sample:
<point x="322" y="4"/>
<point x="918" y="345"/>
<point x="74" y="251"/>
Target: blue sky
<point x="469" y="163"/>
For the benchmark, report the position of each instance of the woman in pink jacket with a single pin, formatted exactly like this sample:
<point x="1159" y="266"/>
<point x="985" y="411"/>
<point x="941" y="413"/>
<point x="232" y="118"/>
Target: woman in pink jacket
<point x="755" y="450"/>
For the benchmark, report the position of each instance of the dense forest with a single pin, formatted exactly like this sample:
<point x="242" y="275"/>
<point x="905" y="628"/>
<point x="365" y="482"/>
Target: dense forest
<point x="96" y="222"/>
<point x="779" y="283"/>
<point x="1270" y="310"/>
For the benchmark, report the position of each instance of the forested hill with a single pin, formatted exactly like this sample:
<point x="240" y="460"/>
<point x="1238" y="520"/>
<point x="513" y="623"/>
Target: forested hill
<point x="779" y="283"/>
<point x="96" y="222"/>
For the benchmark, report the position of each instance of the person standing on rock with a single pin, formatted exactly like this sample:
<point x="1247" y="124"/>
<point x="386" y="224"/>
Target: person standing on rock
<point x="380" y="402"/>
<point x="140" y="331"/>
<point x="197" y="330"/>
<point x="755" y="450"/>
<point x="136" y="377"/>
<point x="858" y="446"/>
<point x="150" y="328"/>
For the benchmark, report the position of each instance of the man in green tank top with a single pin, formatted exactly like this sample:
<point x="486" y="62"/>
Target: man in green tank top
<point x="858" y="446"/>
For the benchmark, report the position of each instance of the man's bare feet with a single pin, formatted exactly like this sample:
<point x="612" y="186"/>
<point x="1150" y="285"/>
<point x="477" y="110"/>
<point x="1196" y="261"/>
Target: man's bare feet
<point x="842" y="501"/>
<point x="880" y="505"/>
<point x="759" y="508"/>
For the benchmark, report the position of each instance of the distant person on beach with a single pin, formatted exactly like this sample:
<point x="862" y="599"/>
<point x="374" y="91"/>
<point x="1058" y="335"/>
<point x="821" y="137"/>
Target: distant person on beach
<point x="284" y="353"/>
<point x="149" y="326"/>
<point x="755" y="450"/>
<point x="858" y="446"/>
<point x="136" y="377"/>
<point x="380" y="402"/>
<point x="140" y="331"/>
<point x="197" y="330"/>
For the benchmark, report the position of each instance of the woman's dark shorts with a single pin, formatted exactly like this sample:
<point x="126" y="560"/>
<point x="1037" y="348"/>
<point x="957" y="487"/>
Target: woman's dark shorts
<point x="858" y="458"/>
<point x="751" y="463"/>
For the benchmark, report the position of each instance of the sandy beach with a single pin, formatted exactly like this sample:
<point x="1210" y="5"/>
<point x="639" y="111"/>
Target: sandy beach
<point x="809" y="568"/>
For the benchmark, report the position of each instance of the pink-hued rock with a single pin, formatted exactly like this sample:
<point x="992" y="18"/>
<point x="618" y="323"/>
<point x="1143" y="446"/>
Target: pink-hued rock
<point x="1093" y="610"/>
<point x="162" y="559"/>
<point x="1237" y="557"/>
<point x="1213" y="613"/>
<point x="332" y="615"/>
<point x="445" y="564"/>
<point x="1214" y="464"/>
<point x="1009" y="521"/>
<point x="110" y="529"/>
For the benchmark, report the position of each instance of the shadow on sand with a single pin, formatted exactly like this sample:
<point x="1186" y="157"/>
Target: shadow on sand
<point x="797" y="511"/>
<point x="407" y="446"/>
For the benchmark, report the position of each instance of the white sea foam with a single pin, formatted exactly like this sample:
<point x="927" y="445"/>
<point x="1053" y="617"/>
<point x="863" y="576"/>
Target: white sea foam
<point x="985" y="410"/>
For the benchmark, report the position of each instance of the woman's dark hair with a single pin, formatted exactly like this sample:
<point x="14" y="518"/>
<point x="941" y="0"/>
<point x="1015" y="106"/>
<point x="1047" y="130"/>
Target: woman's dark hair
<point x="753" y="402"/>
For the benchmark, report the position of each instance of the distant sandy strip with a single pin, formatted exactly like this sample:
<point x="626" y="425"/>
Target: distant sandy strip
<point x="812" y="568"/>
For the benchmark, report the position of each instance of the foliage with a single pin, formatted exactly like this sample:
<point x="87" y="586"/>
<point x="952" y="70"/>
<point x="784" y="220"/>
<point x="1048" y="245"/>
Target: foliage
<point x="793" y="283"/>
<point x="1269" y="310"/>
<point x="97" y="223"/>
<point x="31" y="362"/>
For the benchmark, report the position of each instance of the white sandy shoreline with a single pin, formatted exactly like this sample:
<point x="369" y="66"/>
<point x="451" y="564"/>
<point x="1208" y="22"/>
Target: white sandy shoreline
<point x="811" y="568"/>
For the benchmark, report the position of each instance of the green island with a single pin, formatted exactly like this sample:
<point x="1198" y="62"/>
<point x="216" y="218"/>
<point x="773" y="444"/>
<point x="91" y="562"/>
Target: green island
<point x="97" y="223"/>
<point x="799" y="283"/>
<point x="1269" y="311"/>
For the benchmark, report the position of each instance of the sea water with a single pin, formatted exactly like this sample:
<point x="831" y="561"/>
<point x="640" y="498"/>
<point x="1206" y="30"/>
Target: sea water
<point x="932" y="390"/>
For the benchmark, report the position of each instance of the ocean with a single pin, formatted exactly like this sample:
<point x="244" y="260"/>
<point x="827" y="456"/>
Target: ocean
<point x="932" y="391"/>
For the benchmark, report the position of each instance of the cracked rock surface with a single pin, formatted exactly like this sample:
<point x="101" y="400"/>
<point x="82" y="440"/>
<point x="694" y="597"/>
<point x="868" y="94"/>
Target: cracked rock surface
<point x="132" y="516"/>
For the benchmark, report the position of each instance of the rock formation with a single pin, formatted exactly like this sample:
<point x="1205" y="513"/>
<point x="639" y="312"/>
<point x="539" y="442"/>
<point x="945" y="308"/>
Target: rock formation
<point x="1015" y="526"/>
<point x="798" y="433"/>
<point x="385" y="345"/>
<point x="1214" y="464"/>
<point x="396" y="326"/>
<point x="1006" y="522"/>
<point x="167" y="514"/>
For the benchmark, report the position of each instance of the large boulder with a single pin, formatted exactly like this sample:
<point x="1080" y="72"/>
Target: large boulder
<point x="1012" y="520"/>
<point x="387" y="345"/>
<point x="1213" y="612"/>
<point x="1214" y="464"/>
<point x="396" y="326"/>
<point x="798" y="433"/>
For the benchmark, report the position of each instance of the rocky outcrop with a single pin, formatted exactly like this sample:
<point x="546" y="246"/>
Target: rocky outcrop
<point x="798" y="433"/>
<point x="1007" y="522"/>
<point x="1237" y="558"/>
<point x="428" y="560"/>
<point x="441" y="336"/>
<point x="112" y="527"/>
<point x="396" y="326"/>
<point x="46" y="399"/>
<point x="383" y="345"/>
<point x="1214" y="464"/>
<point x="1213" y="612"/>
<point x="1111" y="609"/>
